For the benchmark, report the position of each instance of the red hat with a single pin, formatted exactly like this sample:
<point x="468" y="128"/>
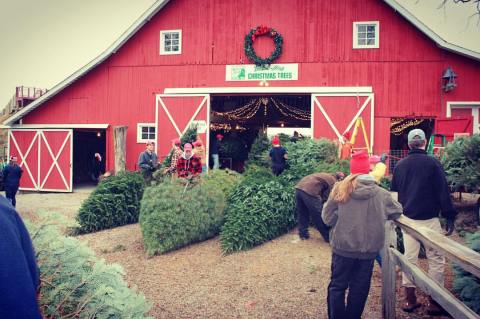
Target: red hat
<point x="187" y="147"/>
<point x="275" y="140"/>
<point x="219" y="135"/>
<point x="197" y="143"/>
<point x="374" y="159"/>
<point x="346" y="135"/>
<point x="359" y="164"/>
<point x="176" y="141"/>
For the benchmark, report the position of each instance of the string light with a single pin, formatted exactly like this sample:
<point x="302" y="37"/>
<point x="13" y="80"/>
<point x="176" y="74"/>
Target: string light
<point x="406" y="123"/>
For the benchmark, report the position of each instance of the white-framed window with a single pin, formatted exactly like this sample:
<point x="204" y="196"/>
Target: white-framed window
<point x="366" y="35"/>
<point x="171" y="42"/>
<point x="145" y="132"/>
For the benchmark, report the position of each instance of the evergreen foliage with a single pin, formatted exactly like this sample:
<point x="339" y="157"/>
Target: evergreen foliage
<point x="223" y="179"/>
<point x="172" y="217"/>
<point x="233" y="148"/>
<point x="259" y="151"/>
<point x="462" y="163"/>
<point x="257" y="212"/>
<point x="466" y="284"/>
<point x="75" y="284"/>
<point x="115" y="202"/>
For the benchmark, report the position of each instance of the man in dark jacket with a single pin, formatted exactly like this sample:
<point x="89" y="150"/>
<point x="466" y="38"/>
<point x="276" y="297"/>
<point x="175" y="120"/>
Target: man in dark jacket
<point x="19" y="276"/>
<point x="11" y="179"/>
<point x="423" y="192"/>
<point x="311" y="192"/>
<point x="148" y="161"/>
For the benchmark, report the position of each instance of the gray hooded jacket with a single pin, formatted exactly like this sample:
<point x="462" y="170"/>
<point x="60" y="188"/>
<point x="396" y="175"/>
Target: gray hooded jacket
<point x="358" y="225"/>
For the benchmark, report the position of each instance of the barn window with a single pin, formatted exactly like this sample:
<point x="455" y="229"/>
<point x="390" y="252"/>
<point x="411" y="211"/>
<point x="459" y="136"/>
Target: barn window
<point x="171" y="42"/>
<point x="366" y="34"/>
<point x="145" y="132"/>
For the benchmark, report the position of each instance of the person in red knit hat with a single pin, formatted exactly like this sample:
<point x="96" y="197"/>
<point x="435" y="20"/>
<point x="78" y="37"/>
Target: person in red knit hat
<point x="278" y="155"/>
<point x="356" y="211"/>
<point x="188" y="165"/>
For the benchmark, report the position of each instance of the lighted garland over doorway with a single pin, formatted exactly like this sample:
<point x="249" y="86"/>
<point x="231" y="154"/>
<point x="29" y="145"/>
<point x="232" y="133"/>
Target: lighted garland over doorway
<point x="258" y="32"/>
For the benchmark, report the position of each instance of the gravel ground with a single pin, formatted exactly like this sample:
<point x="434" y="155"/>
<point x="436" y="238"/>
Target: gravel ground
<point x="284" y="278"/>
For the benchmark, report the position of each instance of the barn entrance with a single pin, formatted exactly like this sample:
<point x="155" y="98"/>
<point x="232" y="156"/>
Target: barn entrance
<point x="240" y="118"/>
<point x="87" y="142"/>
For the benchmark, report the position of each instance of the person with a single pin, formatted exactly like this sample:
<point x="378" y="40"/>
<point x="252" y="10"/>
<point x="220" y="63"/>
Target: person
<point x="96" y="167"/>
<point x="11" y="179"/>
<point x="345" y="146"/>
<point x="422" y="189"/>
<point x="311" y="192"/>
<point x="356" y="210"/>
<point x="279" y="156"/>
<point x="199" y="151"/>
<point x="296" y="137"/>
<point x="378" y="168"/>
<point x="19" y="274"/>
<point x="214" y="148"/>
<point x="176" y="154"/>
<point x="188" y="165"/>
<point x="148" y="161"/>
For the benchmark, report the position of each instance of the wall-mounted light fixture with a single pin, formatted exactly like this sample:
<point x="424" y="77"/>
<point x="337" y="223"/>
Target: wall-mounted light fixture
<point x="448" y="80"/>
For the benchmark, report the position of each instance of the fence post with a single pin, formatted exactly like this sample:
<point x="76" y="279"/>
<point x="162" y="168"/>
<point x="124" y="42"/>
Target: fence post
<point x="389" y="276"/>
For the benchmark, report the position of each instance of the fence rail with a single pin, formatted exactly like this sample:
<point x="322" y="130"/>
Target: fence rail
<point x="465" y="257"/>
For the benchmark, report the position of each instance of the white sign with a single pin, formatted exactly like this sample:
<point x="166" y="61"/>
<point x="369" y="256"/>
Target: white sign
<point x="252" y="72"/>
<point x="201" y="126"/>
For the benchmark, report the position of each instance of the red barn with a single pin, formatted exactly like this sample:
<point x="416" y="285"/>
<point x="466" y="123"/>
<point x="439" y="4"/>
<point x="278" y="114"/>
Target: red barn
<point x="185" y="61"/>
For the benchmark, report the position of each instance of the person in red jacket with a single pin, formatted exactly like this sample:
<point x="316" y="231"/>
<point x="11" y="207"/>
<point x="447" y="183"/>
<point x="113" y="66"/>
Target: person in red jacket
<point x="188" y="165"/>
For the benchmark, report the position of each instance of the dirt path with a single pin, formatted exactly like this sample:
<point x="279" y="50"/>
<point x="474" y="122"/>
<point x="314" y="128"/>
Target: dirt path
<point x="284" y="278"/>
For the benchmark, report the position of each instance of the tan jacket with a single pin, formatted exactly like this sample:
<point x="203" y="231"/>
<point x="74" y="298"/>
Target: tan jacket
<point x="318" y="185"/>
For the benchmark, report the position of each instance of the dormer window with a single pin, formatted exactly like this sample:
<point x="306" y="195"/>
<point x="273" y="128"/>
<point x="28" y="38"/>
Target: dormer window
<point x="170" y="42"/>
<point x="366" y="35"/>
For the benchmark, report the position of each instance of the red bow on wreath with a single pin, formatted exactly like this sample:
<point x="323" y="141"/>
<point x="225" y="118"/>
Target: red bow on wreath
<point x="261" y="30"/>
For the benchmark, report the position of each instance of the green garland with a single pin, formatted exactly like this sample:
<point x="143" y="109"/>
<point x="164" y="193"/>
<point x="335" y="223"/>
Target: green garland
<point x="250" y="39"/>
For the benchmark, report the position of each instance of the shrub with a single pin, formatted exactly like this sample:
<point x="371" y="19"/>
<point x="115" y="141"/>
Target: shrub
<point x="257" y="174"/>
<point x="171" y="217"/>
<point x="225" y="180"/>
<point x="466" y="284"/>
<point x="259" y="151"/>
<point x="462" y="163"/>
<point x="233" y="148"/>
<point x="115" y="202"/>
<point x="75" y="284"/>
<point x="256" y="213"/>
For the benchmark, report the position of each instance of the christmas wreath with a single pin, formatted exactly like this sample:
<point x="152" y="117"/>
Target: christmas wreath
<point x="258" y="32"/>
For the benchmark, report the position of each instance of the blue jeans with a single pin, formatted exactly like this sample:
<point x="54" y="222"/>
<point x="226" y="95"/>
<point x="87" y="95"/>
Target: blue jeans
<point x="354" y="274"/>
<point x="216" y="162"/>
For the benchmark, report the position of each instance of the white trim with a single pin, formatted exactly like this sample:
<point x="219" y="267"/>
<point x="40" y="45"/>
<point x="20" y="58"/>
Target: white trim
<point x="207" y="139"/>
<point x="170" y="116"/>
<point x="320" y="107"/>
<point x="195" y="114"/>
<point x="282" y="90"/>
<point x="23" y="157"/>
<point x="372" y="120"/>
<point x="430" y="33"/>
<point x="55" y="159"/>
<point x="352" y="122"/>
<point x="312" y="113"/>
<point x="59" y="126"/>
<point x="475" y="106"/>
<point x="162" y="42"/>
<point x="157" y="98"/>
<point x="376" y="45"/>
<point x="139" y="132"/>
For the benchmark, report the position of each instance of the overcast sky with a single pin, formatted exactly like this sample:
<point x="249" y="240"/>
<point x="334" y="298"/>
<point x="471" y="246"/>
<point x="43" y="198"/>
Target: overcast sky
<point x="44" y="41"/>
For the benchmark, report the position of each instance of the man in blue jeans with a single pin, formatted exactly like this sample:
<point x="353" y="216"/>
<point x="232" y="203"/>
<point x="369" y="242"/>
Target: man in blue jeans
<point x="214" y="148"/>
<point x="11" y="179"/>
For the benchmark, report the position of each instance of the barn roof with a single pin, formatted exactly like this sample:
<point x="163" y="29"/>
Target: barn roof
<point x="157" y="6"/>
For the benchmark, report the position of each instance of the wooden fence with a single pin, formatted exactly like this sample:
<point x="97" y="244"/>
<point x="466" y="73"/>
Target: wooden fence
<point x="463" y="256"/>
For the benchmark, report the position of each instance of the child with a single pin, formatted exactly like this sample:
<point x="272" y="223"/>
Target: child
<point x="199" y="151"/>
<point x="356" y="210"/>
<point x="279" y="156"/>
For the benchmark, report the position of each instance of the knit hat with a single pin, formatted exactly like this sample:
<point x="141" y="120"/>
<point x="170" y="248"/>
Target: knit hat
<point x="187" y="147"/>
<point x="176" y="141"/>
<point x="275" y="140"/>
<point x="416" y="134"/>
<point x="374" y="159"/>
<point x="346" y="135"/>
<point x="359" y="164"/>
<point x="219" y="135"/>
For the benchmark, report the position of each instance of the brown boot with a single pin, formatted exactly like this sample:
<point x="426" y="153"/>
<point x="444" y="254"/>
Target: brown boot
<point x="434" y="309"/>
<point x="410" y="303"/>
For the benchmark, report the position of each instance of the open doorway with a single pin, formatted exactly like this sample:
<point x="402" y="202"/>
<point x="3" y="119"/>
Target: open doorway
<point x="240" y="118"/>
<point x="87" y="142"/>
<point x="399" y="128"/>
